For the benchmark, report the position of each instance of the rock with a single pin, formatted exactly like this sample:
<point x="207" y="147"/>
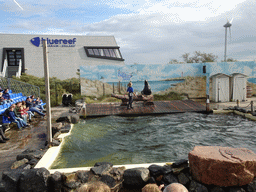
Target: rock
<point x="33" y="162"/>
<point x="103" y="163"/>
<point x="151" y="180"/>
<point x="55" y="182"/>
<point x="175" y="187"/>
<point x="35" y="180"/>
<point x="170" y="178"/>
<point x="72" y="181"/>
<point x="25" y="166"/>
<point x="217" y="189"/>
<point x="136" y="177"/>
<point x="197" y="187"/>
<point x="29" y="154"/>
<point x="55" y="142"/>
<point x="56" y="135"/>
<point x="75" y="119"/>
<point x="63" y="119"/>
<point x="236" y="189"/>
<point x="65" y="129"/>
<point x="11" y="179"/>
<point x="83" y="176"/>
<point x="101" y="169"/>
<point x="107" y="179"/>
<point x="25" y="156"/>
<point x="19" y="163"/>
<point x="179" y="163"/>
<point x="183" y="179"/>
<point x="251" y="187"/>
<point x="222" y="166"/>
<point x="56" y="128"/>
<point x="156" y="170"/>
<point x="3" y="187"/>
<point x="117" y="173"/>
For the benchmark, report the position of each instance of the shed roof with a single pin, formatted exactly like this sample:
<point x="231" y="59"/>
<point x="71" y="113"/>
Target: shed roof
<point x="219" y="75"/>
<point x="234" y="74"/>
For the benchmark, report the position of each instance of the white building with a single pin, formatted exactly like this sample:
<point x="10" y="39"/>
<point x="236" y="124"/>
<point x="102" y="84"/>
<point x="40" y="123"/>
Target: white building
<point x="220" y="87"/>
<point x="238" y="85"/>
<point x="24" y="53"/>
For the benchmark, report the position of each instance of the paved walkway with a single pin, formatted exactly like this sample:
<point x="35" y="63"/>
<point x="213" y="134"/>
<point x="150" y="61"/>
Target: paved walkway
<point x="244" y="104"/>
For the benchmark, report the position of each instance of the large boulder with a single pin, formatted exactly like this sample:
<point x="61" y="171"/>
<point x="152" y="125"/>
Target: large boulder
<point x="35" y="180"/>
<point x="101" y="168"/>
<point x="136" y="177"/>
<point x="11" y="179"/>
<point x="222" y="166"/>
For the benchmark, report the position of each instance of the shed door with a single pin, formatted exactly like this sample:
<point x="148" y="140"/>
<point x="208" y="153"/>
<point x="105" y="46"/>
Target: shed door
<point x="239" y="90"/>
<point x="223" y="89"/>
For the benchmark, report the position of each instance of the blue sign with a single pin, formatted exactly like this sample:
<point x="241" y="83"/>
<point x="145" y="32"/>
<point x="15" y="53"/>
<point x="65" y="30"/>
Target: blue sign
<point x="54" y="42"/>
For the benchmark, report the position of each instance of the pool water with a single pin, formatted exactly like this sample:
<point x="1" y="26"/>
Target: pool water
<point x="151" y="139"/>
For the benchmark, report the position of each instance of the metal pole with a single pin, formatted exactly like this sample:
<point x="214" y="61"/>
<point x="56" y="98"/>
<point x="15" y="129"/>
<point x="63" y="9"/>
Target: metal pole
<point x="47" y="93"/>
<point x="56" y="93"/>
<point x="113" y="88"/>
<point x="225" y="53"/>
<point x="252" y="107"/>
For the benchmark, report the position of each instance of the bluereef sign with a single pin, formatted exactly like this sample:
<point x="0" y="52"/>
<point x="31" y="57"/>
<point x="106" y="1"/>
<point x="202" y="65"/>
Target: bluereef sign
<point x="37" y="41"/>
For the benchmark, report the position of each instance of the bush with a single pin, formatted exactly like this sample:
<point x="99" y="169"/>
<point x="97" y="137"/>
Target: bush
<point x="57" y="87"/>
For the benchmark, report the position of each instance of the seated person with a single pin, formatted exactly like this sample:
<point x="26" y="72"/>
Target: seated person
<point x="3" y="139"/>
<point x="147" y="89"/>
<point x="13" y="118"/>
<point x="38" y="104"/>
<point x="25" y="110"/>
<point x="29" y="104"/>
<point x="6" y="96"/>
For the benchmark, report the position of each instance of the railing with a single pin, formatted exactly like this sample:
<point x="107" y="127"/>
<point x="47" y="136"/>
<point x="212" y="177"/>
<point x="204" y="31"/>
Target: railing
<point x="19" y="87"/>
<point x="18" y="73"/>
<point x="4" y="68"/>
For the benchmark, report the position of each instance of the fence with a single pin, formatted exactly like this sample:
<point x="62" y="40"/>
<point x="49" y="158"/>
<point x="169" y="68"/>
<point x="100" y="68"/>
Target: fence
<point x="19" y="87"/>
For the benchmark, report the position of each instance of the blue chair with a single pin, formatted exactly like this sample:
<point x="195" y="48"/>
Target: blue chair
<point x="10" y="91"/>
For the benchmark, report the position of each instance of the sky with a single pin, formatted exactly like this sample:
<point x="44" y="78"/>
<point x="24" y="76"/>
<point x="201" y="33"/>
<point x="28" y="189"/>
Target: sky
<point x="147" y="31"/>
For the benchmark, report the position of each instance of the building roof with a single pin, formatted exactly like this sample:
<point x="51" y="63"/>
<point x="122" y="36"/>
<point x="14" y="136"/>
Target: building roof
<point x="219" y="75"/>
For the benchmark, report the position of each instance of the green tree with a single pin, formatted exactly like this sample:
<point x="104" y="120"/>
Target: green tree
<point x="175" y="61"/>
<point x="199" y="57"/>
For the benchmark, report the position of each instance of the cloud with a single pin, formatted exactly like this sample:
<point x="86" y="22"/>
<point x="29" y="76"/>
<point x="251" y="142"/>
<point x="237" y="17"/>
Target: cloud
<point x="148" y="31"/>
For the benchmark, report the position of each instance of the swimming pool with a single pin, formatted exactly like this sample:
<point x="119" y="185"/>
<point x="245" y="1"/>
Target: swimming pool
<point x="150" y="139"/>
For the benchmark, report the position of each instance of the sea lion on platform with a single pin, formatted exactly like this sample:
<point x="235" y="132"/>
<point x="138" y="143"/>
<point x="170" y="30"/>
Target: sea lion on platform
<point x="147" y="89"/>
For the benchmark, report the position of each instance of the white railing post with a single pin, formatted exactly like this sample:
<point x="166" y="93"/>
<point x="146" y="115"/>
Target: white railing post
<point x="18" y="73"/>
<point x="4" y="68"/>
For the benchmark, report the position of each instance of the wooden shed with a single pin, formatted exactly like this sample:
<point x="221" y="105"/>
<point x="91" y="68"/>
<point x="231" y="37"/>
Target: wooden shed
<point x="238" y="82"/>
<point x="220" y="87"/>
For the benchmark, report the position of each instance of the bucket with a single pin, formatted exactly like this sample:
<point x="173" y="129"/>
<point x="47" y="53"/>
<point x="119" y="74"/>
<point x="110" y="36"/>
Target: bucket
<point x="249" y="91"/>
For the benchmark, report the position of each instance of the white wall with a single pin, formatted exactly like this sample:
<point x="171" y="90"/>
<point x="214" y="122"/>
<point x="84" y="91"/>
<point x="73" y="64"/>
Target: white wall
<point x="63" y="61"/>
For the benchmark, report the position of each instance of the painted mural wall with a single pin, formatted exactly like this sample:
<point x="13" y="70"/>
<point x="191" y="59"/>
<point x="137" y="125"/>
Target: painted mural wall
<point x="188" y="79"/>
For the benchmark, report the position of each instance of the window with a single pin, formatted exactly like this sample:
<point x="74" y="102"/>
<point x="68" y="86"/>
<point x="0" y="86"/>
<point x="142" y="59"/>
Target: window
<point x="112" y="53"/>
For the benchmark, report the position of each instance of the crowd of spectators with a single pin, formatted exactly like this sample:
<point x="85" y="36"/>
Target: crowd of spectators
<point x="20" y="113"/>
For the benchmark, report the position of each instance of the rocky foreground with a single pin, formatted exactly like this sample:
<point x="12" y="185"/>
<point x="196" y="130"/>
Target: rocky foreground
<point x="210" y="168"/>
